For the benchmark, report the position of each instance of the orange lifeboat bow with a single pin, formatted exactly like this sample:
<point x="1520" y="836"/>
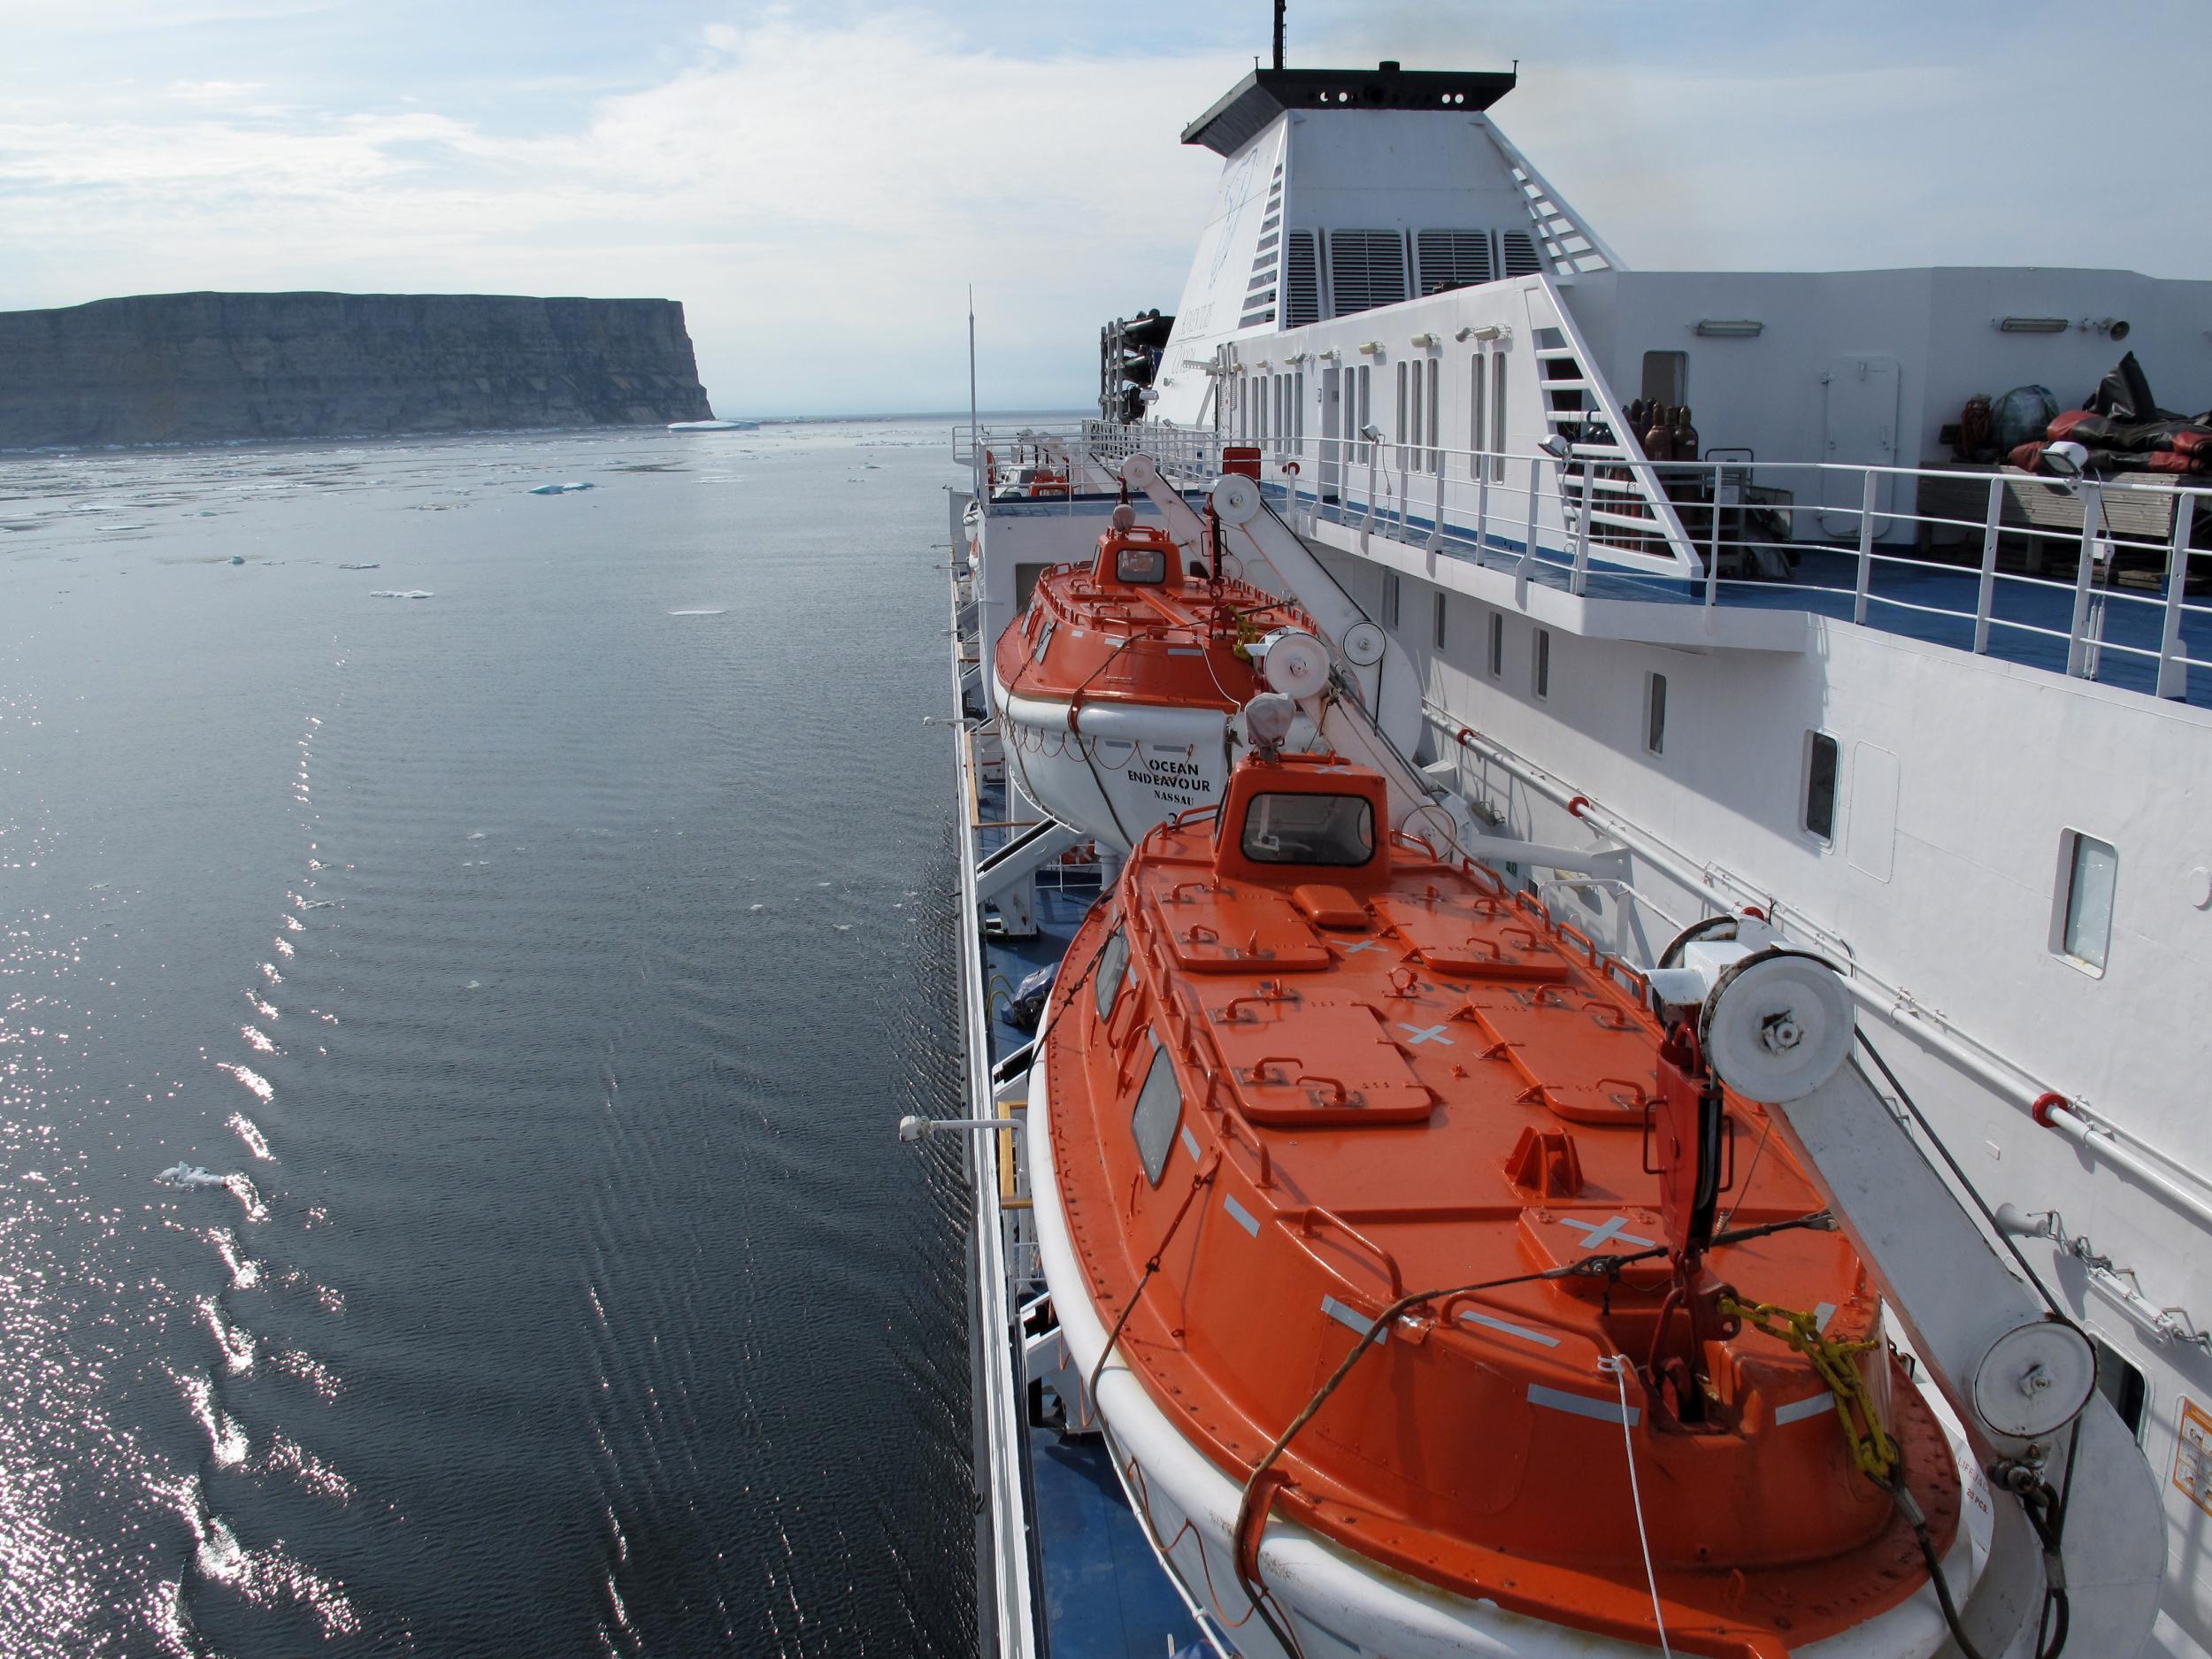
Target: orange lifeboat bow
<point x="1314" y="1070"/>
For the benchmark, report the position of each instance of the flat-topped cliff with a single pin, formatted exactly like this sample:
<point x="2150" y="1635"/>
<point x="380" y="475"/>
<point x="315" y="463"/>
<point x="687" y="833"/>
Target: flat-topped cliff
<point x="190" y="368"/>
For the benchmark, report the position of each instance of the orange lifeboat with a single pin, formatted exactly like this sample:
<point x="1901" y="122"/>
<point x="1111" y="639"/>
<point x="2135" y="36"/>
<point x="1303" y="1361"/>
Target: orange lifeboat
<point x="1368" y="1198"/>
<point x="1116" y="689"/>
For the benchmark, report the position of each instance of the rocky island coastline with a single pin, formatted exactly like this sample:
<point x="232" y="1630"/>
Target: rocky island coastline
<point x="209" y="367"/>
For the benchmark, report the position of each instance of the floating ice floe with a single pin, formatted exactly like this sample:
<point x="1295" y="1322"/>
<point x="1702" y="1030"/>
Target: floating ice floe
<point x="360" y="567"/>
<point x="188" y="1175"/>
<point x="715" y="610"/>
<point x="407" y="592"/>
<point x="559" y="490"/>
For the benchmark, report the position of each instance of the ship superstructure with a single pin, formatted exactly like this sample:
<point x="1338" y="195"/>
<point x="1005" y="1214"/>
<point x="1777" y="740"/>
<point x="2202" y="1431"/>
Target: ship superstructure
<point x="1714" y="602"/>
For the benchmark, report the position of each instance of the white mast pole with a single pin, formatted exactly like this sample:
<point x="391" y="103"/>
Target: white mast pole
<point x="975" y="436"/>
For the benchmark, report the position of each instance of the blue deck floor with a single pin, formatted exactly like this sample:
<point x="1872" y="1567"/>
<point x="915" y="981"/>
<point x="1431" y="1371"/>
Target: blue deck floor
<point x="1824" y="582"/>
<point x="1105" y="1596"/>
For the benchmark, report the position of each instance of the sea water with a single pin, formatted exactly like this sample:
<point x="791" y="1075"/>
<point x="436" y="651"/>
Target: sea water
<point x="464" y="954"/>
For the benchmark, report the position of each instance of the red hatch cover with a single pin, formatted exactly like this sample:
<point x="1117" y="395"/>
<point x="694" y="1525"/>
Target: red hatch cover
<point x="1227" y="928"/>
<point x="1327" y="1063"/>
<point x="1462" y="932"/>
<point x="1326" y="905"/>
<point x="1583" y="1058"/>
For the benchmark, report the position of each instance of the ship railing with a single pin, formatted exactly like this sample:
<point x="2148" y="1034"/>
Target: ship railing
<point x="2089" y="577"/>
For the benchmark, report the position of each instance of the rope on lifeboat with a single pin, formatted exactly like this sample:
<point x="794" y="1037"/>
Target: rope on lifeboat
<point x="1199" y="1182"/>
<point x="1616" y="1366"/>
<point x="1259" y="1489"/>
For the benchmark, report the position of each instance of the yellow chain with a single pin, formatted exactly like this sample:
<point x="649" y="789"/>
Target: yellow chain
<point x="1872" y="1446"/>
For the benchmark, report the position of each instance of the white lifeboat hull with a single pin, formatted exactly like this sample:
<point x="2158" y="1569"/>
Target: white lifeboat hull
<point x="1114" y="769"/>
<point x="1338" y="1605"/>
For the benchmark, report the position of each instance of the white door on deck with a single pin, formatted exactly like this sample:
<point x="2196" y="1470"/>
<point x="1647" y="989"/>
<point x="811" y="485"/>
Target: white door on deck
<point x="1860" y="429"/>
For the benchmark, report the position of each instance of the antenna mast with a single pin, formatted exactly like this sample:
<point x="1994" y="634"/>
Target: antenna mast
<point x="1280" y="7"/>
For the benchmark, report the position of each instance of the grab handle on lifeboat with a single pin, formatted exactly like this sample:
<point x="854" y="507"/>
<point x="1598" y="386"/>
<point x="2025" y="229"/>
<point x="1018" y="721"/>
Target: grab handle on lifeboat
<point x="1313" y="1214"/>
<point x="1233" y="1121"/>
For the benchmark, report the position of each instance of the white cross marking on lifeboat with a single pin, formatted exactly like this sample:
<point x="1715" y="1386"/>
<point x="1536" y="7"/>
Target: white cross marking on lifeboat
<point x="1365" y="944"/>
<point x="1606" y="1233"/>
<point x="1418" y="1034"/>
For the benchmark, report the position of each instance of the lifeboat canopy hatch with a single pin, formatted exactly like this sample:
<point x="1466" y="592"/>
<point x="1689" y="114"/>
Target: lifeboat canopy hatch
<point x="1313" y="818"/>
<point x="1133" y="555"/>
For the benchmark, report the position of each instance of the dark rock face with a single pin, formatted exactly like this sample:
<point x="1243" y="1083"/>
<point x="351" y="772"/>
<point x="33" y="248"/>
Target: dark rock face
<point x="189" y="368"/>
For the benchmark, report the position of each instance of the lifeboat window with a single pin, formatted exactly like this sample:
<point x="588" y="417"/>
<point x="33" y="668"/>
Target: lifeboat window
<point x="1044" y="636"/>
<point x="1140" y="566"/>
<point x="1159" y="1109"/>
<point x="1113" y="967"/>
<point x="2081" y="923"/>
<point x="1309" y="829"/>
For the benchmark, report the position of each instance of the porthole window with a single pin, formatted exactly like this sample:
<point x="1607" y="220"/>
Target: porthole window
<point x="1542" y="674"/>
<point x="2081" y="913"/>
<point x="1497" y="645"/>
<point x="1112" y="969"/>
<point x="1656" y="713"/>
<point x="1821" y="756"/>
<point x="1159" y="1109"/>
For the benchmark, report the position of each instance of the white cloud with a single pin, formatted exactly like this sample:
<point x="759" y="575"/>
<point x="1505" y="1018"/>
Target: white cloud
<point x="819" y="198"/>
<point x="820" y="195"/>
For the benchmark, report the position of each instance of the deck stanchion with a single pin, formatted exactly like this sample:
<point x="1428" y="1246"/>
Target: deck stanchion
<point x="1581" y="581"/>
<point x="1986" y="598"/>
<point x="1712" y="547"/>
<point x="1866" y="550"/>
<point x="2173" y="671"/>
<point x="2085" y="575"/>
<point x="1528" y="547"/>
<point x="1482" y="505"/>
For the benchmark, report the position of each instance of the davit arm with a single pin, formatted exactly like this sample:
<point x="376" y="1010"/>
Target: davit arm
<point x="1777" y="1027"/>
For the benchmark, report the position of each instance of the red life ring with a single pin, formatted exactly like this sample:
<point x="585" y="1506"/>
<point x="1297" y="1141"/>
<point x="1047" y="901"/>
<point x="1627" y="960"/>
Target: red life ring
<point x="1291" y="467"/>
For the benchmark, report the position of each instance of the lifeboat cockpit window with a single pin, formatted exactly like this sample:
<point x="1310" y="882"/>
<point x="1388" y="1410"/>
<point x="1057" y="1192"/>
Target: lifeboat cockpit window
<point x="1140" y="566"/>
<point x="1159" y="1109"/>
<point x="1113" y="967"/>
<point x="1309" y="829"/>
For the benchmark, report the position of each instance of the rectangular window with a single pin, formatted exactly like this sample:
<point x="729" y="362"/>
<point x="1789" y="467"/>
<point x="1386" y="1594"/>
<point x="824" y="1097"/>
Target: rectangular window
<point x="1497" y="645"/>
<point x="1440" y="618"/>
<point x="1365" y="415"/>
<point x="1413" y="426"/>
<point x="1475" y="411"/>
<point x="1497" y="420"/>
<point x="1400" y="429"/>
<point x="1298" y="410"/>
<point x="2120" y="1381"/>
<point x="1543" y="663"/>
<point x="1656" y="713"/>
<point x="1821" y="756"/>
<point x="1667" y="377"/>
<point x="2081" y="919"/>
<point x="1390" y="599"/>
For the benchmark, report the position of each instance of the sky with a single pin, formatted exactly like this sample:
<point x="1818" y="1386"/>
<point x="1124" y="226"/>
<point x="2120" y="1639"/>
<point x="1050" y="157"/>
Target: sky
<point x="820" y="183"/>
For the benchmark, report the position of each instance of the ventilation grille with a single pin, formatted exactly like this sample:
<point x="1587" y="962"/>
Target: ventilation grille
<point x="1259" y="294"/>
<point x="1302" y="281"/>
<point x="1520" y="254"/>
<point x="1367" y="268"/>
<point x="1452" y="259"/>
